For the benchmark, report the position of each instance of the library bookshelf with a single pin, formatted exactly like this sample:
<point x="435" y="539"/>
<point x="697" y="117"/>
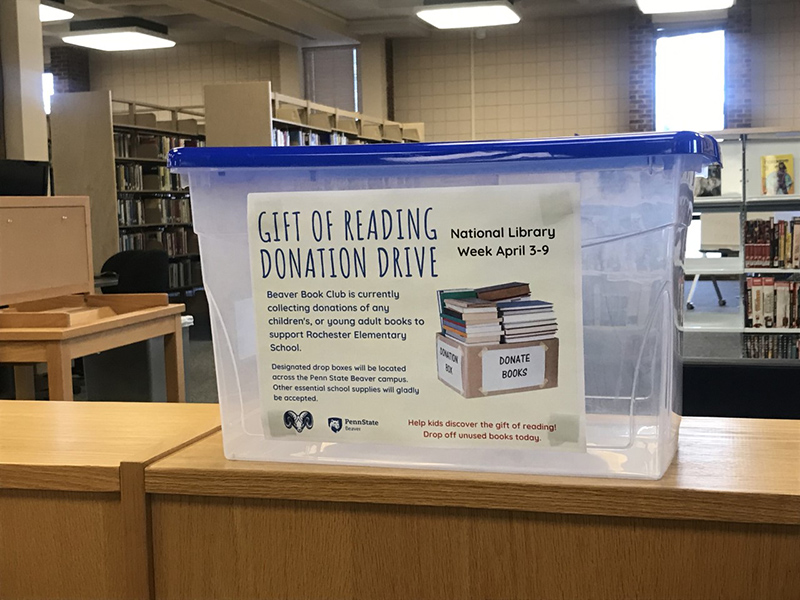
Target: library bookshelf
<point x="732" y="224"/>
<point x="121" y="164"/>
<point x="267" y="118"/>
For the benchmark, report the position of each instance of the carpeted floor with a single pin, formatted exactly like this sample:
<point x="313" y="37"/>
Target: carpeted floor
<point x="201" y="378"/>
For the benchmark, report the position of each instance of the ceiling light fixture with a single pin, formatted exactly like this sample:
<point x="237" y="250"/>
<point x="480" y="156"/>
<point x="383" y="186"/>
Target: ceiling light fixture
<point x="53" y="10"/>
<point x="443" y="14"/>
<point x="660" y="7"/>
<point x="118" y="34"/>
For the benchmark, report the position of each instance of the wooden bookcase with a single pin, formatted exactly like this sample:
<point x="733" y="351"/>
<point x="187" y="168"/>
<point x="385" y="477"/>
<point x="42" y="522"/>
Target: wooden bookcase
<point x="122" y="166"/>
<point x="262" y="117"/>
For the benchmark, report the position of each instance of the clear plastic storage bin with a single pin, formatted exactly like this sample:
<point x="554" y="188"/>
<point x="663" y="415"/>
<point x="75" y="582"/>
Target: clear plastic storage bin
<point x="635" y="207"/>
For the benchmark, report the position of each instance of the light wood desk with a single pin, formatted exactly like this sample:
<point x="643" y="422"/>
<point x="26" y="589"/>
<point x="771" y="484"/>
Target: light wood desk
<point x="48" y="275"/>
<point x="73" y="517"/>
<point x="723" y="523"/>
<point x="142" y="316"/>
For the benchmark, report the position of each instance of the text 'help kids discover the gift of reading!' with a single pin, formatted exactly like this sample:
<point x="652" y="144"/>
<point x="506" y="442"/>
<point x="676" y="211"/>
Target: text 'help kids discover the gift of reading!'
<point x="444" y="317"/>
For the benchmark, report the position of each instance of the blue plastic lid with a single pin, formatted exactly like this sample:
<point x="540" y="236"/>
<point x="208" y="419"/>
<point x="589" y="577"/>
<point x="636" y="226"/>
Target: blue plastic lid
<point x="442" y="153"/>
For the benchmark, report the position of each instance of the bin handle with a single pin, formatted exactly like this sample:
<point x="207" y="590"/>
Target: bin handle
<point x="213" y="306"/>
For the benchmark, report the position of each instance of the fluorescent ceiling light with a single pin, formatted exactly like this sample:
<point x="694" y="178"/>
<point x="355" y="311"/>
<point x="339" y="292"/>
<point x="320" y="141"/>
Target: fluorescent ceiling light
<point x="48" y="14"/>
<point x="115" y="35"/>
<point x="458" y="15"/>
<point x="118" y="40"/>
<point x="655" y="7"/>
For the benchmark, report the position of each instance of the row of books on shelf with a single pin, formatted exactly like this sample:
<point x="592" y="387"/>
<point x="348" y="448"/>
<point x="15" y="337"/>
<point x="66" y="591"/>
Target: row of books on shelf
<point x="296" y="137"/>
<point x="341" y="139"/>
<point x="176" y="241"/>
<point x="784" y="345"/>
<point x="770" y="303"/>
<point x="497" y="314"/>
<point x="153" y="211"/>
<point x="772" y="244"/>
<point x="128" y="144"/>
<point x="185" y="273"/>
<point x="153" y="177"/>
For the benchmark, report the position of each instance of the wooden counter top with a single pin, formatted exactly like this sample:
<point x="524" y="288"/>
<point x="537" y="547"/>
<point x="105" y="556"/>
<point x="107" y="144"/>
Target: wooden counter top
<point x="737" y="470"/>
<point x="80" y="446"/>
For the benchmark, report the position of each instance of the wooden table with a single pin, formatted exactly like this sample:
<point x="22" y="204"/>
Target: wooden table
<point x="723" y="523"/>
<point x="73" y="517"/>
<point x="58" y="346"/>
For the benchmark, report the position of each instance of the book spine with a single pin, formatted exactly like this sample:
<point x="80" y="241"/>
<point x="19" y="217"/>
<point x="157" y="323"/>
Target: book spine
<point x="772" y="238"/>
<point x="787" y="244"/>
<point x="797" y="304"/>
<point x="796" y="243"/>
<point x="748" y="320"/>
<point x="767" y="241"/>
<point x="760" y="236"/>
<point x="758" y="304"/>
<point x="769" y="301"/>
<point x="782" y="304"/>
<point x="747" y="243"/>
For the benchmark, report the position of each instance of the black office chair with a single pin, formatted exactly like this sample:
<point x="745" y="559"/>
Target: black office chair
<point x="128" y="373"/>
<point x="138" y="272"/>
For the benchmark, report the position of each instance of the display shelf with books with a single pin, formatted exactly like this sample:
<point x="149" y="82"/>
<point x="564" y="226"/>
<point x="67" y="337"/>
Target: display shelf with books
<point x="267" y="118"/>
<point x="155" y="207"/>
<point x="136" y="203"/>
<point x="757" y="229"/>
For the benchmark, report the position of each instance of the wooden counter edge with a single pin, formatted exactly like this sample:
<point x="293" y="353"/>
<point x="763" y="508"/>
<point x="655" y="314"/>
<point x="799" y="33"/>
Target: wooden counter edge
<point x="530" y="496"/>
<point x="135" y="515"/>
<point x="59" y="478"/>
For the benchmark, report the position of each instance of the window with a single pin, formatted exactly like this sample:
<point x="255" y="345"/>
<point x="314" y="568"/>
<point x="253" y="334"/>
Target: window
<point x="332" y="76"/>
<point x="48" y="89"/>
<point x="690" y="82"/>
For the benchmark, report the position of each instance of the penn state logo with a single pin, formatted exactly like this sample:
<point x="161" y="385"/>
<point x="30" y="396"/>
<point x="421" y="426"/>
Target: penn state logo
<point x="335" y="423"/>
<point x="292" y="420"/>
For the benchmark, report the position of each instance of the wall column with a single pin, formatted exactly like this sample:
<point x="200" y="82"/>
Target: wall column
<point x="290" y="71"/>
<point x="22" y="58"/>
<point x="372" y="62"/>
<point x="738" y="67"/>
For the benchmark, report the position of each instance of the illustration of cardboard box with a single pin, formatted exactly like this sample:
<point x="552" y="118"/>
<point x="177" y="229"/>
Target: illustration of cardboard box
<point x="491" y="369"/>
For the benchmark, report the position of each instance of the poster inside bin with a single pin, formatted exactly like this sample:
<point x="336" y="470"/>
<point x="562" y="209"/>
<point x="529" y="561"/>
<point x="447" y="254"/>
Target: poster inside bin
<point x="445" y="317"/>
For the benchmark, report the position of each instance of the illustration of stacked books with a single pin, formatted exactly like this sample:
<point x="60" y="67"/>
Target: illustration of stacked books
<point x="503" y="313"/>
<point x="471" y="320"/>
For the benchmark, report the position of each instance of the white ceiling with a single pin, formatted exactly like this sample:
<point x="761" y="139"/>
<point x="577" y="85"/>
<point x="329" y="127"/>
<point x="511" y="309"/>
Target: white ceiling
<point x="377" y="9"/>
<point x="300" y="22"/>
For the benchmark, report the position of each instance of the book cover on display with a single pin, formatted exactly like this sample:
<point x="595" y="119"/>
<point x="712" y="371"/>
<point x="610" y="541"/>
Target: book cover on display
<point x="777" y="174"/>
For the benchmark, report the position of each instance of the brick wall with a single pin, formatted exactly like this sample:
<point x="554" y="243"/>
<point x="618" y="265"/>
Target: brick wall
<point x="70" y="69"/>
<point x="738" y="66"/>
<point x="642" y="75"/>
